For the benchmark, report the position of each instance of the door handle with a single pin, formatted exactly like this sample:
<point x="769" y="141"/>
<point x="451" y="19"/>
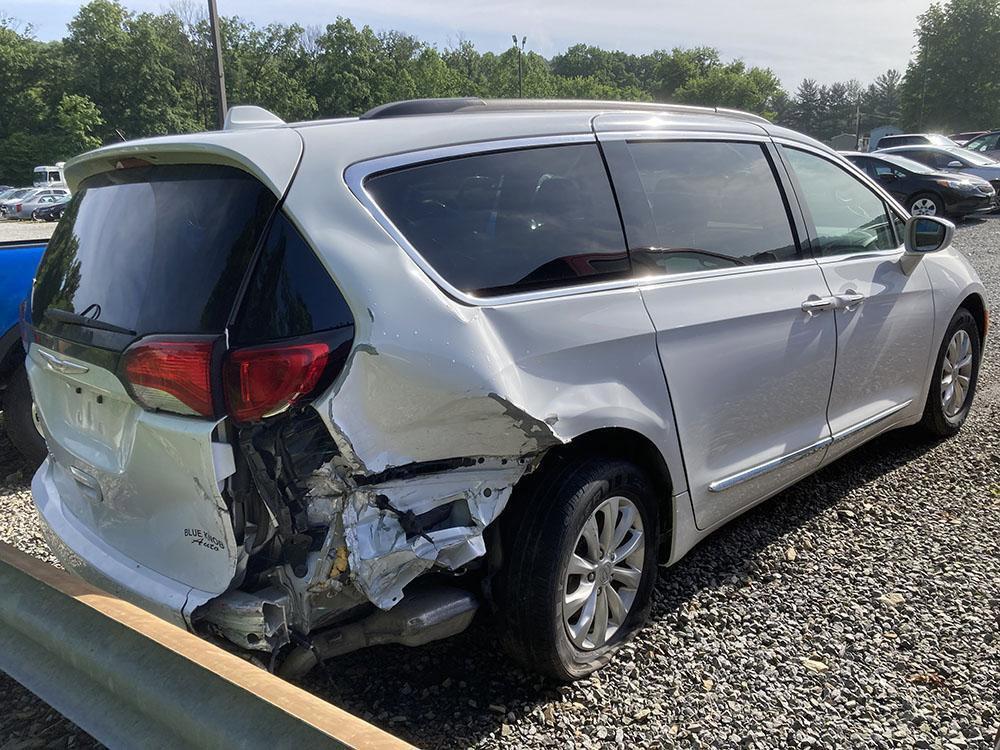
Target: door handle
<point x="819" y="304"/>
<point x="850" y="300"/>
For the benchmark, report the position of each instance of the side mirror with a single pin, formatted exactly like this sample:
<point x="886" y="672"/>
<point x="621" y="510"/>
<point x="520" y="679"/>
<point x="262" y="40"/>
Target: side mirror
<point x="927" y="234"/>
<point x="955" y="164"/>
<point x="887" y="176"/>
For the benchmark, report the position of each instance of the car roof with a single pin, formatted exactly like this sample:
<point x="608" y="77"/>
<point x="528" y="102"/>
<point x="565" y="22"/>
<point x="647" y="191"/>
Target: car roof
<point x="394" y="129"/>
<point x="450" y="121"/>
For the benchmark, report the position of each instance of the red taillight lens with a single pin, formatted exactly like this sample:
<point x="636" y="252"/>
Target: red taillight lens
<point x="263" y="380"/>
<point x="171" y="375"/>
<point x="17" y="208"/>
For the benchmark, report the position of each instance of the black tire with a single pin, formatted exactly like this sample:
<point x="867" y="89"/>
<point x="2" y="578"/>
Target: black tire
<point x="530" y="587"/>
<point x="35" y="216"/>
<point x="19" y="422"/>
<point x="936" y="421"/>
<point x="935" y="199"/>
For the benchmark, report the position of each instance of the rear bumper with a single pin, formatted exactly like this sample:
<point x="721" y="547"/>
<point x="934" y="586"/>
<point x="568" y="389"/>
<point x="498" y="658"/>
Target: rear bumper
<point x="83" y="554"/>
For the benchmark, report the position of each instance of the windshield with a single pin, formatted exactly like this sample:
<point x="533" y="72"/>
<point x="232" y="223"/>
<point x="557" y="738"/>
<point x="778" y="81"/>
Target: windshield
<point x="907" y="164"/>
<point x="159" y="249"/>
<point x="971" y="157"/>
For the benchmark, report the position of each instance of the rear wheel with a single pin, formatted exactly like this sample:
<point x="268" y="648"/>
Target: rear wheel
<point x="926" y="204"/>
<point x="35" y="215"/>
<point x="577" y="583"/>
<point x="956" y="371"/>
<point x="20" y="420"/>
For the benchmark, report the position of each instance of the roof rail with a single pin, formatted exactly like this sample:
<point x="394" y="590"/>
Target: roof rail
<point x="469" y="104"/>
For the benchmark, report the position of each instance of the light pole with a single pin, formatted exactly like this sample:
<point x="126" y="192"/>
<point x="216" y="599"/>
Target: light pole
<point x="520" y="70"/>
<point x="213" y="21"/>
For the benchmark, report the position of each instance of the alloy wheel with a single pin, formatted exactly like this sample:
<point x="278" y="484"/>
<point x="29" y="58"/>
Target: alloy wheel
<point x="604" y="573"/>
<point x="923" y="207"/>
<point x="956" y="372"/>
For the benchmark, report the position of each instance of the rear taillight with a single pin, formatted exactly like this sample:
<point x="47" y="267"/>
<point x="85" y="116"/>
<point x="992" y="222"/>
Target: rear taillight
<point x="260" y="381"/>
<point x="171" y="375"/>
<point x="167" y="374"/>
<point x="17" y="208"/>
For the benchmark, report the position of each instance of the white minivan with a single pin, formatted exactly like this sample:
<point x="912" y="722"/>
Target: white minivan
<point x="311" y="387"/>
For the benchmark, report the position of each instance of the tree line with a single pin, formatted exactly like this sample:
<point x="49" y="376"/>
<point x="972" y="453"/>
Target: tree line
<point x="119" y="74"/>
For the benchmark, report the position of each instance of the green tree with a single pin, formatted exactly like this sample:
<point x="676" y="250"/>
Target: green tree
<point x="78" y="119"/>
<point x="267" y="67"/>
<point x="952" y="83"/>
<point x="733" y="86"/>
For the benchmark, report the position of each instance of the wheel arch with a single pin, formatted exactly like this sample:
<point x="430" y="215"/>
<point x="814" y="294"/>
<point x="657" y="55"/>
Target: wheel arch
<point x="11" y="354"/>
<point x="976" y="305"/>
<point x="608" y="443"/>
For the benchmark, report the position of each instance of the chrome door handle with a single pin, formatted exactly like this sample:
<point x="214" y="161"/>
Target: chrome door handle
<point x="850" y="300"/>
<point x="819" y="304"/>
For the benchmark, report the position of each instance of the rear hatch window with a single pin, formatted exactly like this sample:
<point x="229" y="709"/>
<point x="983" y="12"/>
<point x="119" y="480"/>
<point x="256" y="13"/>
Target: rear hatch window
<point x="155" y="249"/>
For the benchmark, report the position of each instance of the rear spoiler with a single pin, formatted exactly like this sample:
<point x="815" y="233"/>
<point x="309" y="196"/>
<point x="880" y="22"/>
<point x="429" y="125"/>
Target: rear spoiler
<point x="269" y="154"/>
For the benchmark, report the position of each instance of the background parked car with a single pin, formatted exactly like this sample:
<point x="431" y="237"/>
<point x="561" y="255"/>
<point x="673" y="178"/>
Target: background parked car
<point x="923" y="190"/>
<point x="52" y="211"/>
<point x="14" y="196"/>
<point x="952" y="160"/>
<point x="962" y="138"/>
<point x="18" y="261"/>
<point x="26" y="208"/>
<point x="914" y="139"/>
<point x="987" y="144"/>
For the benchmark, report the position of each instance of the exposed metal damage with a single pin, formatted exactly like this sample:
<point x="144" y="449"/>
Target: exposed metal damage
<point x="326" y="543"/>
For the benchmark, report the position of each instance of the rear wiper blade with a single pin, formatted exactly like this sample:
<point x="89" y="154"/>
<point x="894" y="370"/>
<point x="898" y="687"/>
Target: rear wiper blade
<point x="75" y="319"/>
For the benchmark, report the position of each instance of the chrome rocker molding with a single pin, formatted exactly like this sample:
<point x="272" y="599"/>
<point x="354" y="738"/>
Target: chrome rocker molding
<point x="719" y="485"/>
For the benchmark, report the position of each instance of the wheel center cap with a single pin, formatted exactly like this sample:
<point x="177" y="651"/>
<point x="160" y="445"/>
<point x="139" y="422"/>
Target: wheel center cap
<point x="604" y="573"/>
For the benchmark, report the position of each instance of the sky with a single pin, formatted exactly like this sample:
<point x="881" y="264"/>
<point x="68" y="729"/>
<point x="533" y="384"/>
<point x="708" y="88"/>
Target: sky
<point x="827" y="41"/>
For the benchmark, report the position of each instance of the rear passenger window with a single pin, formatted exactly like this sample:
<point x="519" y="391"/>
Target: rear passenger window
<point x="714" y="205"/>
<point x="848" y="216"/>
<point x="510" y="221"/>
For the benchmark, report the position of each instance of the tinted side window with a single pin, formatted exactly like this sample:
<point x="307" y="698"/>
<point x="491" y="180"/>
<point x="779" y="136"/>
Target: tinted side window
<point x="865" y="164"/>
<point x="509" y="221"/>
<point x="848" y="216"/>
<point x="925" y="156"/>
<point x="714" y="205"/>
<point x="290" y="293"/>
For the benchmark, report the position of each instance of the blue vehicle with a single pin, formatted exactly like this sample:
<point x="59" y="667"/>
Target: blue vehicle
<point x="18" y="261"/>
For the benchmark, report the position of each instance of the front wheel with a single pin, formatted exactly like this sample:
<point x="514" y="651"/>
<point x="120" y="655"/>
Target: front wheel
<point x="581" y="567"/>
<point x="956" y="371"/>
<point x="926" y="204"/>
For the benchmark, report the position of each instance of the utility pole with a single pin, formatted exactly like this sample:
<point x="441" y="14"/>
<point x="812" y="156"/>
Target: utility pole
<point x="213" y="21"/>
<point x="857" y="125"/>
<point x="520" y="68"/>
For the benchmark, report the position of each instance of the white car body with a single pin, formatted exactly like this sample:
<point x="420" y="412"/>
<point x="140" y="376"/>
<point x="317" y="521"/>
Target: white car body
<point x="730" y="387"/>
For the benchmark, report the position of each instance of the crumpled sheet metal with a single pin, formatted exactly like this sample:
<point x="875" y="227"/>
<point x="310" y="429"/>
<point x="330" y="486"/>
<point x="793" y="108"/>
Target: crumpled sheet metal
<point x="383" y="558"/>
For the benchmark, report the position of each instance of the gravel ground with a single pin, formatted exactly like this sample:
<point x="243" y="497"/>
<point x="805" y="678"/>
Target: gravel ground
<point x="25" y="231"/>
<point x="858" y="609"/>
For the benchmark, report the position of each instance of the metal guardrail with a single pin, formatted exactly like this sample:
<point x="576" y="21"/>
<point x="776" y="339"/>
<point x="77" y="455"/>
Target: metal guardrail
<point x="132" y="680"/>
